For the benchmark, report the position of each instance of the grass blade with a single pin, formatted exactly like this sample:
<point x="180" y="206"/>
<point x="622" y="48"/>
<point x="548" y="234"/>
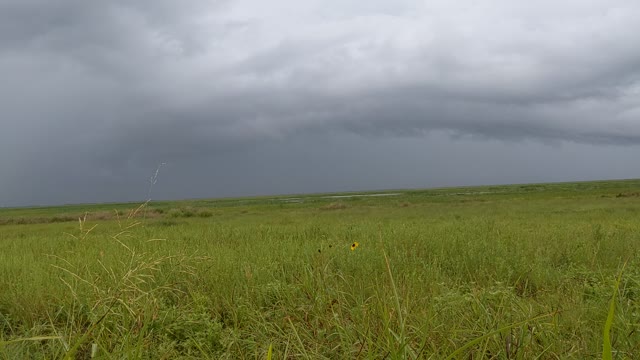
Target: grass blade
<point x="607" y="351"/>
<point x="270" y="352"/>
<point x="35" y="338"/>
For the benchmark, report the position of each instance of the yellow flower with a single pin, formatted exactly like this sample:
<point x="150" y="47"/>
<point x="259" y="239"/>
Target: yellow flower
<point x="354" y="245"/>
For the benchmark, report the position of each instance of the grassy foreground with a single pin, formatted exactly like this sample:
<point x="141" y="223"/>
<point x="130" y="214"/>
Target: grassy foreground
<point x="505" y="272"/>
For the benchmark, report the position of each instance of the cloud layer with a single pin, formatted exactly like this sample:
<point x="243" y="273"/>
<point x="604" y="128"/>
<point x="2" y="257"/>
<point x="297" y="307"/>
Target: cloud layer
<point x="115" y="86"/>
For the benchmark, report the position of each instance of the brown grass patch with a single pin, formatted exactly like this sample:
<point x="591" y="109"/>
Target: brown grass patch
<point x="628" y="194"/>
<point x="95" y="216"/>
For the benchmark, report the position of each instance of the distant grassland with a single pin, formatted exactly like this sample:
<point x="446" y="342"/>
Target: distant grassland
<point x="505" y="272"/>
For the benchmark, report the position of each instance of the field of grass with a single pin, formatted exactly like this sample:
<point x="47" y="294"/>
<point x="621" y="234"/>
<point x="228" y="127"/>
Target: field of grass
<point x="504" y="272"/>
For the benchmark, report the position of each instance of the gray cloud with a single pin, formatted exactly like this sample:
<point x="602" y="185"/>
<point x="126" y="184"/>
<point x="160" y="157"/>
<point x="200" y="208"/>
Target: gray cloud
<point x="101" y="91"/>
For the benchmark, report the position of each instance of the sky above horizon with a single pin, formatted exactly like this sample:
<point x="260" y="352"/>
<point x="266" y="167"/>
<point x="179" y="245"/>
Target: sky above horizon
<point x="240" y="97"/>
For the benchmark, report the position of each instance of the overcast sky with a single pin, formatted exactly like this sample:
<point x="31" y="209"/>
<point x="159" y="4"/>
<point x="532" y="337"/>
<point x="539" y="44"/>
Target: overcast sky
<point x="248" y="97"/>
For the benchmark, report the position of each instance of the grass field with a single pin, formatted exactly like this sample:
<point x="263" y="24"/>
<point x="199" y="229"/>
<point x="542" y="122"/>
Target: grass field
<point x="504" y="272"/>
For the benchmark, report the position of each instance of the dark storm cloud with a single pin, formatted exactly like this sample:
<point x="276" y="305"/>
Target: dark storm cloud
<point x="104" y="90"/>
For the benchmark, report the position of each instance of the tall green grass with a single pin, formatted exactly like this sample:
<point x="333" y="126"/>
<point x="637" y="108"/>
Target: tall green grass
<point x="516" y="274"/>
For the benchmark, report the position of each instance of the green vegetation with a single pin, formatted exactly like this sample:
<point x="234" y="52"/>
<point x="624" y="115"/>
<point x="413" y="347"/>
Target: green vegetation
<point x="506" y="272"/>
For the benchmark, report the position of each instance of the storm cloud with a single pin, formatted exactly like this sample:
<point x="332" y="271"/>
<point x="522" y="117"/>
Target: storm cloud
<point x="240" y="97"/>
